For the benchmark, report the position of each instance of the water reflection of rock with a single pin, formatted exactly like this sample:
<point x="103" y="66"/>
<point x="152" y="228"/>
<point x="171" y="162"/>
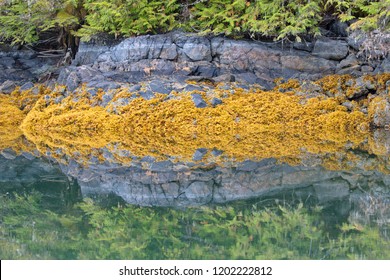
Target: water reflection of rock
<point x="359" y="195"/>
<point x="168" y="184"/>
<point x="26" y="173"/>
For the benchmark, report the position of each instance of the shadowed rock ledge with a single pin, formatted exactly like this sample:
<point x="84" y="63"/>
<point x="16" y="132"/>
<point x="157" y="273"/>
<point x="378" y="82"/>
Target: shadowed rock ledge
<point x="187" y="55"/>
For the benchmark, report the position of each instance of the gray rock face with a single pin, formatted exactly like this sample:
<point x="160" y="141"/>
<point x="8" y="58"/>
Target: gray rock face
<point x="339" y="29"/>
<point x="8" y="154"/>
<point x="331" y="190"/>
<point x="27" y="86"/>
<point x="216" y="101"/>
<point x="24" y="66"/>
<point x="349" y="61"/>
<point x="199" y="154"/>
<point x="198" y="100"/>
<point x="89" y="53"/>
<point x="380" y="112"/>
<point x="199" y="192"/>
<point x="183" y="185"/>
<point x="307" y="64"/>
<point x="25" y="171"/>
<point x="330" y="49"/>
<point x="164" y="184"/>
<point x="180" y="54"/>
<point x="159" y="87"/>
<point x="197" y="49"/>
<point x="384" y="66"/>
<point x="303" y="46"/>
<point x="147" y="95"/>
<point x="7" y="87"/>
<point x="72" y="81"/>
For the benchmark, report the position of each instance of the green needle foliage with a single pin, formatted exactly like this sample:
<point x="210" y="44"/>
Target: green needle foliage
<point x="277" y="19"/>
<point x="22" y="22"/>
<point x="29" y="231"/>
<point x="129" y="17"/>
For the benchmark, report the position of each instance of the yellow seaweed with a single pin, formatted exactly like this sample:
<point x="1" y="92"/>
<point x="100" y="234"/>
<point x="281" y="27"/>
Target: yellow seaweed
<point x="247" y="125"/>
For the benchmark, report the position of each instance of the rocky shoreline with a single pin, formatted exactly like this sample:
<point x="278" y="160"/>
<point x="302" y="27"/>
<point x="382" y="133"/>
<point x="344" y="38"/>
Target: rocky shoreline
<point x="179" y="185"/>
<point x="176" y="62"/>
<point x="179" y="56"/>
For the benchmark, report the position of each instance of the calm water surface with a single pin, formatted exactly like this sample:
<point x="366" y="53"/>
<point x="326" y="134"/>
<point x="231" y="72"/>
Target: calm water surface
<point x="151" y="209"/>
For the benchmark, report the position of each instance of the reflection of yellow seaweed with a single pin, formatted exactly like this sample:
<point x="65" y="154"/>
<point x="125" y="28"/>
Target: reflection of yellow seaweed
<point x="252" y="125"/>
<point x="10" y="119"/>
<point x="11" y="116"/>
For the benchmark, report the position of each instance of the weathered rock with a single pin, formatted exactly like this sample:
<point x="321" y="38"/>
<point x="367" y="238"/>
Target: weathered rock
<point x="339" y="28"/>
<point x="169" y="52"/>
<point x="247" y="78"/>
<point x="8" y="62"/>
<point x="192" y="88"/>
<point x="198" y="100"/>
<point x="355" y="41"/>
<point x="331" y="190"/>
<point x="349" y="61"/>
<point x="330" y="49"/>
<point x="159" y="87"/>
<point x="216" y="152"/>
<point x="247" y="166"/>
<point x="107" y="66"/>
<point x="367" y="69"/>
<point x="216" y="101"/>
<point x="380" y="141"/>
<point x="388" y="87"/>
<point x="58" y="99"/>
<point x="87" y="73"/>
<point x="200" y="192"/>
<point x="104" y="85"/>
<point x="147" y="95"/>
<point x="72" y="81"/>
<point x="353" y="70"/>
<point x="303" y="46"/>
<point x="361" y="87"/>
<point x="106" y="98"/>
<point x="134" y="88"/>
<point x="308" y="64"/>
<point x="7" y="87"/>
<point x="162" y="67"/>
<point x="348" y="105"/>
<point x="92" y="91"/>
<point x="206" y="71"/>
<point x="88" y="53"/>
<point x="8" y="153"/>
<point x="384" y="67"/>
<point x="199" y="154"/>
<point x="172" y="189"/>
<point x="161" y="166"/>
<point x="120" y="102"/>
<point x="198" y="49"/>
<point x="225" y="78"/>
<point x="218" y="58"/>
<point x="379" y="111"/>
<point x="27" y="86"/>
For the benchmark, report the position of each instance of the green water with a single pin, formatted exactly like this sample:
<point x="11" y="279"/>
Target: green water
<point x="51" y="220"/>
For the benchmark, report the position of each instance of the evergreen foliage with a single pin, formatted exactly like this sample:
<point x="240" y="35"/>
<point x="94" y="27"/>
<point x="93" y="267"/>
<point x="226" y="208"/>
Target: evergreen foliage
<point x="129" y="17"/>
<point x="28" y="230"/>
<point x="22" y="22"/>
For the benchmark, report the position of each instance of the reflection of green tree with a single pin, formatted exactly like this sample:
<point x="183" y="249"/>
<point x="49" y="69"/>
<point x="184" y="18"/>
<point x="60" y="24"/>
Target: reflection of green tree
<point x="28" y="231"/>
